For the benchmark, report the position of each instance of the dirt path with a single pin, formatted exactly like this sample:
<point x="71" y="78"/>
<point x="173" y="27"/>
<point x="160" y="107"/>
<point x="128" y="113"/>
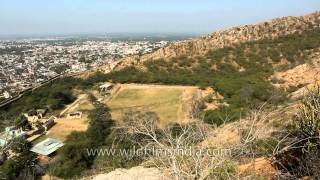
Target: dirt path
<point x="151" y="86"/>
<point x="74" y="105"/>
<point x="184" y="112"/>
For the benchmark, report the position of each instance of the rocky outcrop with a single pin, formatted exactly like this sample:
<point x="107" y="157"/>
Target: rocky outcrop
<point x="303" y="74"/>
<point x="267" y="30"/>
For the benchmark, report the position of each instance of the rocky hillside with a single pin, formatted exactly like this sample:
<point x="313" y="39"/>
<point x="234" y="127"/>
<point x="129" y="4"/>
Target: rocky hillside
<point x="267" y="30"/>
<point x="252" y="66"/>
<point x="256" y="69"/>
<point x="245" y="65"/>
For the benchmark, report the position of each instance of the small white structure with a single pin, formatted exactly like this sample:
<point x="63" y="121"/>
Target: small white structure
<point x="6" y="95"/>
<point x="10" y="133"/>
<point x="105" y="87"/>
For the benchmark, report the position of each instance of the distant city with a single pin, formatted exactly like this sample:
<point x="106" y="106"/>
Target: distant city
<point x="26" y="62"/>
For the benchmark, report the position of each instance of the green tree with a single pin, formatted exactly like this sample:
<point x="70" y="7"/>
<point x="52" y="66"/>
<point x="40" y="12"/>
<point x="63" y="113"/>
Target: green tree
<point x="22" y="163"/>
<point x="74" y="157"/>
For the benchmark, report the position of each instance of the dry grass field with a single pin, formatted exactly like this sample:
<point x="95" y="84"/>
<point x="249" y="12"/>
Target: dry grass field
<point x="166" y="101"/>
<point x="63" y="128"/>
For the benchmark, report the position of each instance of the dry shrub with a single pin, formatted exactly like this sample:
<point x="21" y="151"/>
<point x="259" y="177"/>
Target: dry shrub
<point x="300" y="156"/>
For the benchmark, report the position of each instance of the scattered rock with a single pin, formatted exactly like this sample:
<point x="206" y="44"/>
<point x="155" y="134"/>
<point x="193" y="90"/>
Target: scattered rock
<point x="135" y="173"/>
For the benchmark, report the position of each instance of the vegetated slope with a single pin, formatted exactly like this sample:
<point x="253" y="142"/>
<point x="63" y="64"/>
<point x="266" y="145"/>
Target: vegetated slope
<point x="267" y="30"/>
<point x="54" y="96"/>
<point x="239" y="71"/>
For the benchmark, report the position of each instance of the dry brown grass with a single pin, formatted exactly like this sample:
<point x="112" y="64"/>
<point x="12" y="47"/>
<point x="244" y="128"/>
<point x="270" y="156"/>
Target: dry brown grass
<point x="170" y="103"/>
<point x="64" y="127"/>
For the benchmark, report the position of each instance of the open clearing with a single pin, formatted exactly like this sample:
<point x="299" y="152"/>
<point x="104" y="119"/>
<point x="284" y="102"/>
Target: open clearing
<point x="63" y="128"/>
<point x="170" y="103"/>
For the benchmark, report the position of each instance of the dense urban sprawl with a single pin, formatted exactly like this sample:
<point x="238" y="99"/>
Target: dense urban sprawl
<point x="27" y="63"/>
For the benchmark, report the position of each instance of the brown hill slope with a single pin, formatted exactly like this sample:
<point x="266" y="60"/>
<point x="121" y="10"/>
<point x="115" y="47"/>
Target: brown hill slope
<point x="267" y="30"/>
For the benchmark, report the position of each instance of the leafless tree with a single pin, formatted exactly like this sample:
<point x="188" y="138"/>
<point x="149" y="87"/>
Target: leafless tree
<point x="176" y="149"/>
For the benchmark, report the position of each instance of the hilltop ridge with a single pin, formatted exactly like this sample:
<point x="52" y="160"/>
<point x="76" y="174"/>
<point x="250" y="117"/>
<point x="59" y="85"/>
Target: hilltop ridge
<point x="266" y="30"/>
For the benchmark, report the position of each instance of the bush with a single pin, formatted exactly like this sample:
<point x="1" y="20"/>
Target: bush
<point x="22" y="122"/>
<point x="275" y="80"/>
<point x="221" y="115"/>
<point x="208" y="98"/>
<point x="226" y="170"/>
<point x="74" y="157"/>
<point x="264" y="147"/>
<point x="301" y="157"/>
<point x="21" y="163"/>
<point x="292" y="89"/>
<point x="308" y="120"/>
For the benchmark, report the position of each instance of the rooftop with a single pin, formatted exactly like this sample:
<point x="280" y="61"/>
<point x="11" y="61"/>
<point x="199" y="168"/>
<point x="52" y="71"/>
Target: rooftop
<point x="106" y="85"/>
<point x="47" y="146"/>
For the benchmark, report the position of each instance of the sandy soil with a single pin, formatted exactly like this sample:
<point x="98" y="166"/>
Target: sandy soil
<point x="65" y="126"/>
<point x="134" y="173"/>
<point x="261" y="166"/>
<point x="302" y="74"/>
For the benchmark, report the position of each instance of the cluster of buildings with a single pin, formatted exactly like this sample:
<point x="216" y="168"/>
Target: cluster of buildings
<point x="38" y="126"/>
<point x="37" y="123"/>
<point x="25" y="64"/>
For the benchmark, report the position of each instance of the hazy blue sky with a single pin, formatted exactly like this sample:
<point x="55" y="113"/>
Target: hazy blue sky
<point x="100" y="16"/>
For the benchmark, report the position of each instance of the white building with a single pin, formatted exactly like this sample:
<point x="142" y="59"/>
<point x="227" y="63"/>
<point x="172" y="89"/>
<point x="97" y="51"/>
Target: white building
<point x="6" y="95"/>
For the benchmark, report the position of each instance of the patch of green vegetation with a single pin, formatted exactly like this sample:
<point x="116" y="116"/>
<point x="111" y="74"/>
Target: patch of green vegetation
<point x="292" y="89"/>
<point x="222" y="115"/>
<point x="73" y="156"/>
<point x="265" y="146"/>
<point x="227" y="170"/>
<point x="55" y="96"/>
<point x="275" y="80"/>
<point x="108" y="163"/>
<point x="21" y="163"/>
<point x="301" y="140"/>
<point x="208" y="98"/>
